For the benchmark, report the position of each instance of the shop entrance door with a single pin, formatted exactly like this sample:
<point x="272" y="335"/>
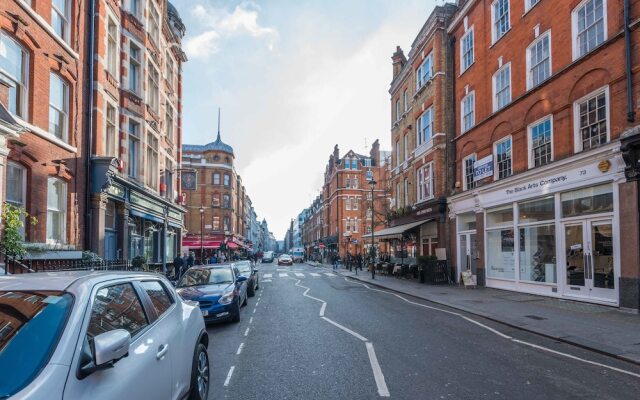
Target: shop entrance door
<point x="589" y="266"/>
<point x="468" y="253"/>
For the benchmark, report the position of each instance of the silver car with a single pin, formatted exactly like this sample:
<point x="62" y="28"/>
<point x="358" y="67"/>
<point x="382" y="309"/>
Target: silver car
<point x="100" y="335"/>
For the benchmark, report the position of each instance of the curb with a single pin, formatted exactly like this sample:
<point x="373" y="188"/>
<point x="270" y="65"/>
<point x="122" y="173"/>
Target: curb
<point x="491" y="318"/>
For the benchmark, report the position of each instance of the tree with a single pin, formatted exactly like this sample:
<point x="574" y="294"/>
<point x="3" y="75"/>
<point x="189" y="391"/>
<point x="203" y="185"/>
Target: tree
<point x="13" y="219"/>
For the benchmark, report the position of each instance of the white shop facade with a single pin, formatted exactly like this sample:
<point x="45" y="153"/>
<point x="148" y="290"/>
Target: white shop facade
<point x="552" y="231"/>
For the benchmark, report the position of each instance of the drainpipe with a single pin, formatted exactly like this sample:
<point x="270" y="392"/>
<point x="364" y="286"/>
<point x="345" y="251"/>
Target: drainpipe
<point x="89" y="139"/>
<point x="631" y="114"/>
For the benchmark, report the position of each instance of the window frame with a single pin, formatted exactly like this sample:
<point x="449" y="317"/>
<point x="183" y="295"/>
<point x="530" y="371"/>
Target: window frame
<point x="153" y="87"/>
<point x="577" y="138"/>
<point x="528" y="6"/>
<point x="112" y="54"/>
<point x="135" y="87"/>
<point x="496" y="166"/>
<point x="66" y="101"/>
<point x="422" y="179"/>
<point x="420" y="138"/>
<point x="61" y="211"/>
<point x="494" y="78"/>
<point x="23" y="191"/>
<point x="471" y="95"/>
<point x="113" y="151"/>
<point x="23" y="105"/>
<point x="65" y="17"/>
<point x="494" y="32"/>
<point x="152" y="153"/>
<point x="574" y="29"/>
<point x="420" y="75"/>
<point x="530" y="156"/>
<point x="465" y="184"/>
<point x="542" y="36"/>
<point x="469" y="32"/>
<point x="405" y="97"/>
<point x="133" y="137"/>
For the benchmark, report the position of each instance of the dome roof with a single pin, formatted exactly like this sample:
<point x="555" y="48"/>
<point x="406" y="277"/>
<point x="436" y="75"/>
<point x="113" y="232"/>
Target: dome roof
<point x="218" y="145"/>
<point x="175" y="21"/>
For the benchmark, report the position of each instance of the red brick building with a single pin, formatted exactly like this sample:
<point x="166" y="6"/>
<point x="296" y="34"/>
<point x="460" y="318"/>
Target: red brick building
<point x="42" y="140"/>
<point x="136" y="130"/>
<point x="347" y="199"/>
<point x="541" y="204"/>
<point x="421" y="111"/>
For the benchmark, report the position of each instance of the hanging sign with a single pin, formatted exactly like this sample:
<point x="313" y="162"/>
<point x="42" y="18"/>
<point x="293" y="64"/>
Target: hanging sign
<point x="189" y="180"/>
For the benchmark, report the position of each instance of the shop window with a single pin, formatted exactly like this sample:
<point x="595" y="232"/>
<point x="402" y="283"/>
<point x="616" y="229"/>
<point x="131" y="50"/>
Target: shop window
<point x="591" y="200"/>
<point x="498" y="217"/>
<point x="500" y="254"/>
<point x="536" y="210"/>
<point x="538" y="253"/>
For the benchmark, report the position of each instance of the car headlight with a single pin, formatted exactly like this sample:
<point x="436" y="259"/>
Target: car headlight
<point x="227" y="298"/>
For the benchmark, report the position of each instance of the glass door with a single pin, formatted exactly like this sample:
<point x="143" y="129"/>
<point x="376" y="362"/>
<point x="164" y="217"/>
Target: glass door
<point x="590" y="260"/>
<point x="468" y="252"/>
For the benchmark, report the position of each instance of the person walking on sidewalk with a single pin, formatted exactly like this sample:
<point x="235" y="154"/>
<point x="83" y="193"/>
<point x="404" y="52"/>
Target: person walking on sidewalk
<point x="178" y="263"/>
<point x="359" y="258"/>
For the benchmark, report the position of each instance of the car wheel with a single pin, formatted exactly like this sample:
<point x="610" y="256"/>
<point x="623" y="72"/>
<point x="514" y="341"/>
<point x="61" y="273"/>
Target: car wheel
<point x="251" y="291"/>
<point x="257" y="284"/>
<point x="244" y="303"/>
<point x="200" y="374"/>
<point x="236" y="315"/>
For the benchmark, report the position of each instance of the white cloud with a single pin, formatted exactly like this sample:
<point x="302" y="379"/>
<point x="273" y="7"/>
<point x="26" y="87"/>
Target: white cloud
<point x="222" y="24"/>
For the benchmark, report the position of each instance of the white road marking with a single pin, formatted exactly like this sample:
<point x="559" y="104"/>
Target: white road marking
<point x="299" y="274"/>
<point x="266" y="280"/>
<point x="254" y="310"/>
<point x="226" y="381"/>
<point x="240" y="349"/>
<point x="267" y="275"/>
<point x="344" y="328"/>
<point x="507" y="337"/>
<point x="283" y="275"/>
<point x="280" y="269"/>
<point x="383" y="391"/>
<point x="246" y="332"/>
<point x="329" y="274"/>
<point x="251" y="320"/>
<point x="324" y="305"/>
<point x="313" y="274"/>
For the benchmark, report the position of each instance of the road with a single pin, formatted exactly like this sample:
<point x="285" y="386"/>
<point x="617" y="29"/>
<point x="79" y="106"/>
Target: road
<point x="366" y="343"/>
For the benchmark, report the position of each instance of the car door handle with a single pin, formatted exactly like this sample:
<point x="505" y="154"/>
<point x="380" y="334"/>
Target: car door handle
<point x="162" y="350"/>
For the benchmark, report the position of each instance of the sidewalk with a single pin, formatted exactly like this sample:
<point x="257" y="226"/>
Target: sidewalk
<point x="603" y="329"/>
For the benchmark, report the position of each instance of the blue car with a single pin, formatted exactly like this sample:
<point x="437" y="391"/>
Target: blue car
<point x="220" y="290"/>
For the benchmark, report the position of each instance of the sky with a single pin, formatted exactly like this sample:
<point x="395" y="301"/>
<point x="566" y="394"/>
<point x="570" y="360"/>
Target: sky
<point x="293" y="78"/>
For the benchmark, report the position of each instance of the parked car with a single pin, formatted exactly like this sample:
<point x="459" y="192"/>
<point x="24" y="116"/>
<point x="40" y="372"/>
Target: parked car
<point x="285" y="259"/>
<point x="247" y="268"/>
<point x="220" y="290"/>
<point x="267" y="257"/>
<point x="100" y="335"/>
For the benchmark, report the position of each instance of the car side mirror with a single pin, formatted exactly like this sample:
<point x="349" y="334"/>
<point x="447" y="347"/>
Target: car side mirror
<point x="241" y="278"/>
<point x="255" y="270"/>
<point x="104" y="351"/>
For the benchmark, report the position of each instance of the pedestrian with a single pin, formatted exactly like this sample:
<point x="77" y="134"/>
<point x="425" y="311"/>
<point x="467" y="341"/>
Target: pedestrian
<point x="360" y="261"/>
<point x="178" y="263"/>
<point x="190" y="260"/>
<point x="335" y="261"/>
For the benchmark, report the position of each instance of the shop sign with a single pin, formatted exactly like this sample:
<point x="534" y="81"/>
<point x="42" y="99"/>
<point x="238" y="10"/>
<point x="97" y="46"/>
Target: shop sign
<point x="555" y="180"/>
<point x="483" y="168"/>
<point x="116" y="190"/>
<point x="141" y="201"/>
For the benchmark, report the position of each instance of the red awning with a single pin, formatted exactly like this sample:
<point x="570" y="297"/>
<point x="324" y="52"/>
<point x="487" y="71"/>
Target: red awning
<point x="233" y="245"/>
<point x="195" y="244"/>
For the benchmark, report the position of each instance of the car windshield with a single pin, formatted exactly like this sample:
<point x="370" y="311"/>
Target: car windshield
<point x="30" y="326"/>
<point x="244" y="266"/>
<point x="209" y="276"/>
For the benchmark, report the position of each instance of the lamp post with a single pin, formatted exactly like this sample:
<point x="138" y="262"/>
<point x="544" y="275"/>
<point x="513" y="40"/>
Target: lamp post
<point x="372" y="249"/>
<point x="201" y="235"/>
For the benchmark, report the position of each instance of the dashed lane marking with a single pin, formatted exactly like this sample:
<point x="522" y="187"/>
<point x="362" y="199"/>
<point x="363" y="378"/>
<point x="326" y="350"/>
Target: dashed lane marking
<point x="267" y="275"/>
<point x="329" y="274"/>
<point x="298" y="274"/>
<point x="226" y="381"/>
<point x="284" y="275"/>
<point x="313" y="274"/>
<point x="240" y="349"/>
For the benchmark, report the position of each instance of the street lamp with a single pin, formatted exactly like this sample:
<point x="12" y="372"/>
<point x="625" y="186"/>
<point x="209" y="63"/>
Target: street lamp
<point x="201" y="235"/>
<point x="373" y="249"/>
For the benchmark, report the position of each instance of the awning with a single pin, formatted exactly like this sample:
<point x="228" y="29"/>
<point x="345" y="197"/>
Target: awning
<point x="195" y="244"/>
<point x="233" y="245"/>
<point x="396" y="231"/>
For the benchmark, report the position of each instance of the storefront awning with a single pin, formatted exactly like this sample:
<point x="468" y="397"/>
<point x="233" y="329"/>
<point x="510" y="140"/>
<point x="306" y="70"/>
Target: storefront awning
<point x="396" y="231"/>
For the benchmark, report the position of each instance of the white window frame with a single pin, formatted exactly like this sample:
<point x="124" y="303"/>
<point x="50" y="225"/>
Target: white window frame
<point x="134" y="172"/>
<point x="398" y="153"/>
<point x="154" y="16"/>
<point x="66" y="17"/>
<point x="170" y="66"/>
<point x="421" y="179"/>
<point x="574" y="28"/>
<point x="528" y="6"/>
<point x="398" y="115"/>
<point x="422" y="80"/>
<point x="153" y="96"/>
<point x="112" y="54"/>
<point x="152" y="153"/>
<point x="64" y="111"/>
<point x="494" y="80"/>
<point x="137" y="88"/>
<point x="530" y="84"/>
<point x="406" y="192"/>
<point x="61" y="211"/>
<point x="496" y="172"/>
<point x="135" y="13"/>
<point x="465" y="183"/>
<point x="577" y="138"/>
<point x="354" y="203"/>
<point x="22" y="107"/>
<point x="471" y="95"/>
<point x="348" y="203"/>
<point x="23" y="191"/>
<point x="355" y="225"/>
<point x="531" y="160"/>
<point x="170" y="121"/>
<point x="113" y="151"/>
<point x="420" y="138"/>
<point x="468" y="33"/>
<point x="494" y="32"/>
<point x="405" y="144"/>
<point x="405" y="97"/>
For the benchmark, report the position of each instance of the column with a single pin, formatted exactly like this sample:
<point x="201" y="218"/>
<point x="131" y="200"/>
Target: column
<point x="122" y="223"/>
<point x="98" y="209"/>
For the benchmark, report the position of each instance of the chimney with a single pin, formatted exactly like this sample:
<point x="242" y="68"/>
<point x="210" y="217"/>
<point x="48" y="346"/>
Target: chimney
<point x="336" y="153"/>
<point x="399" y="60"/>
<point x="375" y="153"/>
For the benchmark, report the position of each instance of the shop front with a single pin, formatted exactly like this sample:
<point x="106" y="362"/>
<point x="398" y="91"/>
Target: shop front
<point x="552" y="231"/>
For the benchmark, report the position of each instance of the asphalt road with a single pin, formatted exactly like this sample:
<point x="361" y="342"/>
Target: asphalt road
<point x="376" y="344"/>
